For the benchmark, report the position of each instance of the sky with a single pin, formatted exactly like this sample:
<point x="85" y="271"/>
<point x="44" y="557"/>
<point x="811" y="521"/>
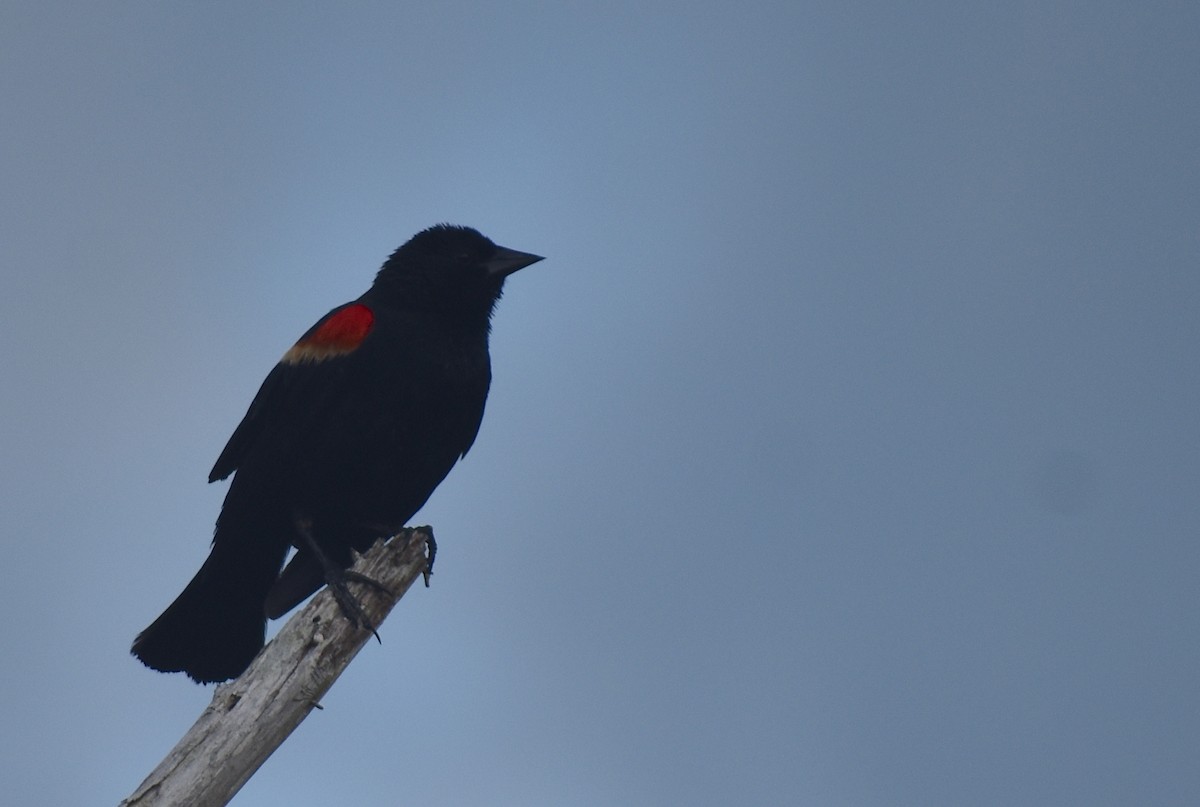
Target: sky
<point x="842" y="451"/>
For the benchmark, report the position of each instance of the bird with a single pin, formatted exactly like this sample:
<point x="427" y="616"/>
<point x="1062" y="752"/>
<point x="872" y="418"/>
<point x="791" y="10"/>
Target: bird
<point x="345" y="441"/>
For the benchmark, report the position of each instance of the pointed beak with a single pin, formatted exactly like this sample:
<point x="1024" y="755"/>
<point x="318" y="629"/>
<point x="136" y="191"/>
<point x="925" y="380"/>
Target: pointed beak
<point x="506" y="261"/>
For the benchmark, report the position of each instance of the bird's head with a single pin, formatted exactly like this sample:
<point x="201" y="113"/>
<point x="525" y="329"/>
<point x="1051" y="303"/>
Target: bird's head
<point x="451" y="270"/>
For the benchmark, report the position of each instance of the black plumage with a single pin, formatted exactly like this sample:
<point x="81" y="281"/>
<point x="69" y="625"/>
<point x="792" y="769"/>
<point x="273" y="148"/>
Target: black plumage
<point x="347" y="438"/>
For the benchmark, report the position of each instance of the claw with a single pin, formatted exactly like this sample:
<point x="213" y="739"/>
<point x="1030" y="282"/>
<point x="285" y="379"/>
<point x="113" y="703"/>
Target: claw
<point x="430" y="550"/>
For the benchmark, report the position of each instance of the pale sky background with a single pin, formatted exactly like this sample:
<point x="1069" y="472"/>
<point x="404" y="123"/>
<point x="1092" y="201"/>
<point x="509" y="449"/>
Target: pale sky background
<point x="845" y="450"/>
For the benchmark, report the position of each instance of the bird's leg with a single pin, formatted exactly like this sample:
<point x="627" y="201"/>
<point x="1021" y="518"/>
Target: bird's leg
<point x="336" y="578"/>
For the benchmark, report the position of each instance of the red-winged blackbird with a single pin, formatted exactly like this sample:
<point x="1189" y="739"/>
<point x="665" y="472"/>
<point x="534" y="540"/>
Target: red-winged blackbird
<point x="346" y="439"/>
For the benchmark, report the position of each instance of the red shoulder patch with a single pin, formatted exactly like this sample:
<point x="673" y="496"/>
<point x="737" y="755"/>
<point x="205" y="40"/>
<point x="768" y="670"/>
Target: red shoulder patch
<point x="338" y="334"/>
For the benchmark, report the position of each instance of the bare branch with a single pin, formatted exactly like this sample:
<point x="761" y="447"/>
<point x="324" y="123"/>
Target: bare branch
<point x="252" y="715"/>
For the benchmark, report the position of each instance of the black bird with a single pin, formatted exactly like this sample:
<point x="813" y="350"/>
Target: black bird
<point x="348" y="436"/>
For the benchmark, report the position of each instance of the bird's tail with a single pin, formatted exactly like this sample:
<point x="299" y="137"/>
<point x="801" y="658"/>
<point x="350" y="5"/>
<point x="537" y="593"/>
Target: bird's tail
<point x="215" y="628"/>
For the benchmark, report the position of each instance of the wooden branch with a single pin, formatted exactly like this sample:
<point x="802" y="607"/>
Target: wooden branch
<point x="252" y="715"/>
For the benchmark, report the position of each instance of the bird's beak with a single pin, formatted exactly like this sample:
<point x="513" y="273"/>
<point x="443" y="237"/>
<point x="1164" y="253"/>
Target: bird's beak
<point x="506" y="261"/>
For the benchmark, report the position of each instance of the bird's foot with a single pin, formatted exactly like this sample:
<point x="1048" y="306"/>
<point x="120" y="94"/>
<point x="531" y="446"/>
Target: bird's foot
<point x="430" y="548"/>
<point x="336" y="579"/>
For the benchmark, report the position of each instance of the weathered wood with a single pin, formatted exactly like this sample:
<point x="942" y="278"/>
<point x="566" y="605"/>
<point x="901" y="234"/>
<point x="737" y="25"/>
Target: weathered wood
<point x="252" y="715"/>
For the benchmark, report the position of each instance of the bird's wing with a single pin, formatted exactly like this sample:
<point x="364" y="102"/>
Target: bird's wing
<point x="338" y="334"/>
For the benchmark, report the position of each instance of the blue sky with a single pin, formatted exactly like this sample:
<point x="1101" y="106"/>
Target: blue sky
<point x="843" y="451"/>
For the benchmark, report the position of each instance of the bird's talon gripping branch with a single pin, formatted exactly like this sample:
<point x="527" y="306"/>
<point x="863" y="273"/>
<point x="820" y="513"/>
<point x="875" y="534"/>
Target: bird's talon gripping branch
<point x="430" y="550"/>
<point x="351" y="576"/>
<point x="336" y="578"/>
